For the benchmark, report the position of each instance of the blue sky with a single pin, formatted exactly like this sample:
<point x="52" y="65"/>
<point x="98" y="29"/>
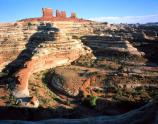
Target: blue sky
<point x="131" y="11"/>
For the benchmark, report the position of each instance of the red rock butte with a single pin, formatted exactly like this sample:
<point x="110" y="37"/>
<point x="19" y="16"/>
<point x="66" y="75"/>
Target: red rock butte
<point x="60" y="16"/>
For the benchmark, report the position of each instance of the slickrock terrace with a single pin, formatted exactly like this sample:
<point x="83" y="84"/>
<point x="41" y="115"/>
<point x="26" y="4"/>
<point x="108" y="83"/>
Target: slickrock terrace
<point x="38" y="46"/>
<point x="47" y="48"/>
<point x="118" y="77"/>
<point x="105" y="43"/>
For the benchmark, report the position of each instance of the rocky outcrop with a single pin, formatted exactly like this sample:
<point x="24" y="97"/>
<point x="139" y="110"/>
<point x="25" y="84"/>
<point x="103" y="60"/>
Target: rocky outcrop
<point x="16" y="37"/>
<point x="110" y="44"/>
<point x="60" y="16"/>
<point x="47" y="55"/>
<point x="27" y="48"/>
<point x="41" y="47"/>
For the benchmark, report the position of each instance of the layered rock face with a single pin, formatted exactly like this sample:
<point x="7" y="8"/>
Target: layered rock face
<point x="11" y="43"/>
<point x="27" y="48"/>
<point x="16" y="37"/>
<point x="110" y="44"/>
<point x="41" y="47"/>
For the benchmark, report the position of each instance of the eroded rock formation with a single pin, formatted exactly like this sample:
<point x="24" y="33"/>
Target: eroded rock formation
<point x="54" y="49"/>
<point x="33" y="47"/>
<point x="60" y="16"/>
<point x="110" y="44"/>
<point x="36" y="44"/>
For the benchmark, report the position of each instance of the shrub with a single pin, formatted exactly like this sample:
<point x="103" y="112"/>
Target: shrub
<point x="90" y="101"/>
<point x="93" y="100"/>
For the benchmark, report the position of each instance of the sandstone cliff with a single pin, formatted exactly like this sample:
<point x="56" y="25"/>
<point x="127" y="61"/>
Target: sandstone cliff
<point x="27" y="48"/>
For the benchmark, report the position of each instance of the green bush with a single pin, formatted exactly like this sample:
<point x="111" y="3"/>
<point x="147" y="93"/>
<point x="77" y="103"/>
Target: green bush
<point x="90" y="101"/>
<point x="93" y="100"/>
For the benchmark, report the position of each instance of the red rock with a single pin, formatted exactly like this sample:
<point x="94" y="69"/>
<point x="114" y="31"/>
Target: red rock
<point x="33" y="100"/>
<point x="85" y="87"/>
<point x="58" y="13"/>
<point x="73" y="15"/>
<point x="47" y="13"/>
<point x="63" y="14"/>
<point x="60" y="16"/>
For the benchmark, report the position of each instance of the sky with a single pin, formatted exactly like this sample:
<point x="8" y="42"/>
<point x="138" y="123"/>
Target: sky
<point x="112" y="11"/>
